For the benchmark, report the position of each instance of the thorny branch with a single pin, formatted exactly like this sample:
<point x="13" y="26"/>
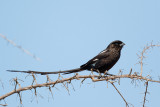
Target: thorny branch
<point x="92" y="77"/>
<point x="142" y="56"/>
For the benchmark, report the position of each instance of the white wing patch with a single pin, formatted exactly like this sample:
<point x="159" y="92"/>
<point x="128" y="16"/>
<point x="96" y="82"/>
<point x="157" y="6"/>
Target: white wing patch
<point x="95" y="59"/>
<point x="103" y="51"/>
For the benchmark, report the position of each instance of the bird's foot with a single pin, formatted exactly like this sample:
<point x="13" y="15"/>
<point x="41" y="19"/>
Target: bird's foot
<point x="106" y="74"/>
<point x="100" y="76"/>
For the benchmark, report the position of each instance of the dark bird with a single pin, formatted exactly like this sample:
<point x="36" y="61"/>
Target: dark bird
<point x="101" y="63"/>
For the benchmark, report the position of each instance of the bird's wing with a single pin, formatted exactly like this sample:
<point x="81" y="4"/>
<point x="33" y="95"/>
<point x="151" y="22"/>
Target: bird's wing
<point x="103" y="54"/>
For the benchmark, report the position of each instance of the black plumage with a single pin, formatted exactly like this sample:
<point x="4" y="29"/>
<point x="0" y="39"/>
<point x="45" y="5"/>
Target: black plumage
<point x="101" y="63"/>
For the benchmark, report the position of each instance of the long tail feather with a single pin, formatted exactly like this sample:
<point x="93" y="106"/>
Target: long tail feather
<point x="45" y="73"/>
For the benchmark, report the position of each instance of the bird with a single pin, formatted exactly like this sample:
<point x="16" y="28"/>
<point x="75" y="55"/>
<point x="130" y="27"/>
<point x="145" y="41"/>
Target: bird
<point x="101" y="63"/>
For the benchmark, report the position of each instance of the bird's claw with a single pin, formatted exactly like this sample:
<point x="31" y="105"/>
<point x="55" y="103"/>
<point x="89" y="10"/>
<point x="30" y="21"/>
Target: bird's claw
<point x="100" y="76"/>
<point x="106" y="74"/>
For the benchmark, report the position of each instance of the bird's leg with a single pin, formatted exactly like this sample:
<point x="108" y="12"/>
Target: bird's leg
<point x="100" y="76"/>
<point x="92" y="74"/>
<point x="105" y="73"/>
<point x="92" y="71"/>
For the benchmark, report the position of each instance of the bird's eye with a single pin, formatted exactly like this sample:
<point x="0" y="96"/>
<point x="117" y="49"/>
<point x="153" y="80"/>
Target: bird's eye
<point x="116" y="44"/>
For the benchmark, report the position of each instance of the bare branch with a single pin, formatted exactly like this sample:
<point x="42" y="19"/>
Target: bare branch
<point x="145" y="94"/>
<point x="142" y="56"/>
<point x="120" y="94"/>
<point x="19" y="47"/>
<point x="77" y="77"/>
<point x="2" y="84"/>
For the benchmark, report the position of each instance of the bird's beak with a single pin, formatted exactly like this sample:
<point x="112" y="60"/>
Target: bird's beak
<point x="122" y="44"/>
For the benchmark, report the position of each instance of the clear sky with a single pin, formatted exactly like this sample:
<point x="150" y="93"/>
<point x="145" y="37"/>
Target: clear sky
<point x="67" y="33"/>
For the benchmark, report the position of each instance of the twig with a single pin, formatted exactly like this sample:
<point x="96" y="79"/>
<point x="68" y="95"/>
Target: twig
<point x="82" y="81"/>
<point x="4" y="104"/>
<point x="34" y="79"/>
<point x="145" y="94"/>
<point x="130" y="72"/>
<point x="120" y="94"/>
<point x="147" y="47"/>
<point x="19" y="47"/>
<point x="20" y="97"/>
<point x="2" y="84"/>
<point x="64" y="84"/>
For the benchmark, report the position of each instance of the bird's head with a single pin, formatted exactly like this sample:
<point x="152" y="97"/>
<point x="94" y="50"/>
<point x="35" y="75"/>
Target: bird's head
<point x="117" y="44"/>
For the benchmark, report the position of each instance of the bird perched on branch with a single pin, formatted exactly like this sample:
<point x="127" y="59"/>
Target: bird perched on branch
<point x="101" y="63"/>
